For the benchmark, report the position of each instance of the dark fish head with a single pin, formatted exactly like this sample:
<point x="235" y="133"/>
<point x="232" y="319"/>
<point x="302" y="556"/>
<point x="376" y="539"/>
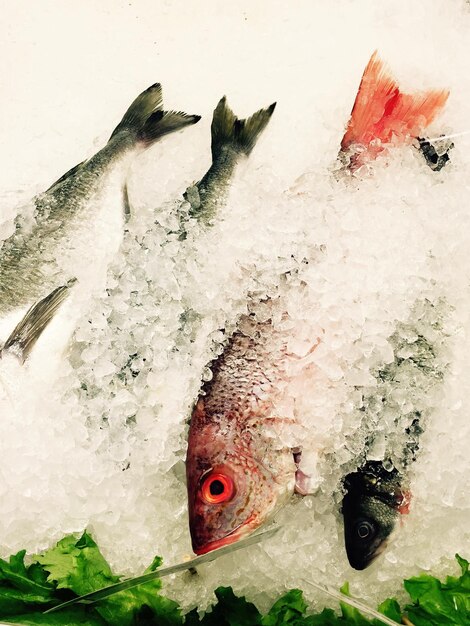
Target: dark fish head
<point x="371" y="508"/>
<point x="368" y="524"/>
<point x="231" y="491"/>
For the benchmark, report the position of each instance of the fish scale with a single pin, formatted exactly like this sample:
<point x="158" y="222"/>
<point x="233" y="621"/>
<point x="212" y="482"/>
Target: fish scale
<point x="248" y="364"/>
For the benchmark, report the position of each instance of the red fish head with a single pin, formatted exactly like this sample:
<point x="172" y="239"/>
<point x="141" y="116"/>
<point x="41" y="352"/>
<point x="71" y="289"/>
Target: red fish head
<point x="230" y="491"/>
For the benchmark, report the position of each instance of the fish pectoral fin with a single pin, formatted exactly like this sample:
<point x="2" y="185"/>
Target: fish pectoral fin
<point x="126" y="203"/>
<point x="302" y="483"/>
<point x="434" y="159"/>
<point x="27" y="332"/>
<point x="70" y="172"/>
<point x="192" y="196"/>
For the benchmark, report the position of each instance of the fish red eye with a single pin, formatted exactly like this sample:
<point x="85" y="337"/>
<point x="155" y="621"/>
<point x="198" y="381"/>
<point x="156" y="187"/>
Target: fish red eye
<point x="217" y="488"/>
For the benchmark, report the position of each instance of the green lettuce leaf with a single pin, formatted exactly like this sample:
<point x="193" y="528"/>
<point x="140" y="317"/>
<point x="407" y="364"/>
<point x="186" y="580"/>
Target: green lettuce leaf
<point x="350" y="614"/>
<point x="436" y="603"/>
<point x="80" y="567"/>
<point x="289" y="609"/>
<point x="77" y="616"/>
<point x="77" y="565"/>
<point x="21" y="587"/>
<point x="391" y="609"/>
<point x="230" y="610"/>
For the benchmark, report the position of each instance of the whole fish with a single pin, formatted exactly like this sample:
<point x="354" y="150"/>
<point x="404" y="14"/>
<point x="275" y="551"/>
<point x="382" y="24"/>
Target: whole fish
<point x="77" y="223"/>
<point x="238" y="473"/>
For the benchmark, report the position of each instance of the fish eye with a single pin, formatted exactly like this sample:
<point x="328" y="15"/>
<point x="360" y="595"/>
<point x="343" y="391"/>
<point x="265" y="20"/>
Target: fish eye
<point x="217" y="488"/>
<point x="365" y="530"/>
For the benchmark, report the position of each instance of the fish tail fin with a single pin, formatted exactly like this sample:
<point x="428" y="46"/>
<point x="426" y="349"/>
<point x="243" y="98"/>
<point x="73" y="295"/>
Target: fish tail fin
<point x="146" y="118"/>
<point x="242" y="135"/>
<point x="382" y="113"/>
<point x="29" y="329"/>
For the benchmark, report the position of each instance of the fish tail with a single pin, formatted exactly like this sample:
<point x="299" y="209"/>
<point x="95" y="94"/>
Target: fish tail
<point x="382" y="113"/>
<point x="228" y="131"/>
<point x="146" y="118"/>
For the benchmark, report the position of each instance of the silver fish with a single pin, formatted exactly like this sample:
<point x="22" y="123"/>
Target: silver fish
<point x="78" y="222"/>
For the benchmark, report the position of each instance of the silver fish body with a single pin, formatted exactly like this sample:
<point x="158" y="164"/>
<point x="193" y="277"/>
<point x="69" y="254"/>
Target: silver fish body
<point x="70" y="230"/>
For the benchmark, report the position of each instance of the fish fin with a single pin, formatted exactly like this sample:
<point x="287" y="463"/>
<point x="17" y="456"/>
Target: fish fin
<point x="145" y="104"/>
<point x="126" y="203"/>
<point x="405" y="502"/>
<point x="434" y="159"/>
<point x="146" y="118"/>
<point x="302" y="483"/>
<point x="70" y="172"/>
<point x="228" y="130"/>
<point x="382" y="113"/>
<point x="27" y="332"/>
<point x="162" y="123"/>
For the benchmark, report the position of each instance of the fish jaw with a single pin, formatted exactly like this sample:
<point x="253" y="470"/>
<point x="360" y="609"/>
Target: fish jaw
<point x="250" y="525"/>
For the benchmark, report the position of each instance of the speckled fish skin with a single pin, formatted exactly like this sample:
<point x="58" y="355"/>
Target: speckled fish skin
<point x="233" y="433"/>
<point x="67" y="228"/>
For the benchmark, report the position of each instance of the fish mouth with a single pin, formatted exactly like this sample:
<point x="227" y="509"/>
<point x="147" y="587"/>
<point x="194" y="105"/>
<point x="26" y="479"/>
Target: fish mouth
<point x="362" y="562"/>
<point x="232" y="537"/>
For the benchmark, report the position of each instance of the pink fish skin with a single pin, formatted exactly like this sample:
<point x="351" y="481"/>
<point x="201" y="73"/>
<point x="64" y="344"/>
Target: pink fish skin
<point x="239" y="473"/>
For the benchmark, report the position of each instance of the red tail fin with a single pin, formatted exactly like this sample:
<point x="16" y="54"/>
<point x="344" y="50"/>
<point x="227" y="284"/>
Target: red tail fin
<point x="382" y="114"/>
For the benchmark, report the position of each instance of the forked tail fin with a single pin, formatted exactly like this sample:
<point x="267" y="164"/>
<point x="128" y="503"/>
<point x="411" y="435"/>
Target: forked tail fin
<point x="146" y="118"/>
<point x="241" y="135"/>
<point x="383" y="114"/>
